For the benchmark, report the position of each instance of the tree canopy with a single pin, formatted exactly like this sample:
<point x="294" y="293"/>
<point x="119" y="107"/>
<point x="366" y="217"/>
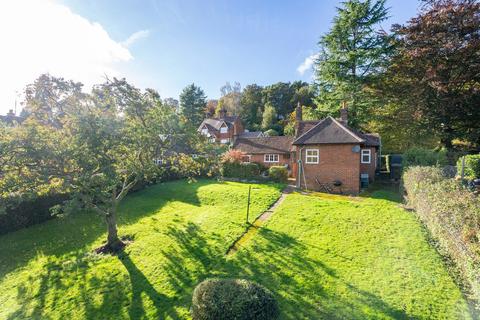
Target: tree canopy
<point x="352" y="54"/>
<point x="192" y="104"/>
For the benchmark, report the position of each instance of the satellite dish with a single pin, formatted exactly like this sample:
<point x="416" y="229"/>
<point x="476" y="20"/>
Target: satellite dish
<point x="356" y="149"/>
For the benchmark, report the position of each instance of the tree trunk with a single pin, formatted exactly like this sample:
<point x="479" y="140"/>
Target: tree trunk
<point x="114" y="244"/>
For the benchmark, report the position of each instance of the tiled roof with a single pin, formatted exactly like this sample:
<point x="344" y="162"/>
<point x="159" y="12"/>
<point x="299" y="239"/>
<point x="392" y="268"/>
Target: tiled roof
<point x="11" y="119"/>
<point x="328" y="131"/>
<point x="253" y="134"/>
<point x="279" y="144"/>
<point x="304" y="126"/>
<point x="216" y="123"/>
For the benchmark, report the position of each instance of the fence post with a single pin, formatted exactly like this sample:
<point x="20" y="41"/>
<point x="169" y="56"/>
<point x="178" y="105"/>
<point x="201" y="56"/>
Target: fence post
<point x="462" y="175"/>
<point x="248" y="201"/>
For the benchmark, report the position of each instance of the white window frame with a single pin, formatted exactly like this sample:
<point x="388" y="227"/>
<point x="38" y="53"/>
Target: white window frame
<point x="224" y="129"/>
<point x="271" y="158"/>
<point x="205" y="131"/>
<point x="312" y="158"/>
<point x="225" y="140"/>
<point x="366" y="152"/>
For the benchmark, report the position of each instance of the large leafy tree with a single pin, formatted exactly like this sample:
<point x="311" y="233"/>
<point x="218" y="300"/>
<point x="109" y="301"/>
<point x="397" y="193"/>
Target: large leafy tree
<point x="280" y="96"/>
<point x="114" y="142"/>
<point x="97" y="152"/>
<point x="230" y="99"/>
<point x="352" y="54"/>
<point x="436" y="73"/>
<point x="251" y="106"/>
<point x="192" y="104"/>
<point x="50" y="99"/>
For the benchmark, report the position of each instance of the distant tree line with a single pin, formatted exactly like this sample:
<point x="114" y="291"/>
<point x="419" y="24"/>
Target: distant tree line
<point x="417" y="85"/>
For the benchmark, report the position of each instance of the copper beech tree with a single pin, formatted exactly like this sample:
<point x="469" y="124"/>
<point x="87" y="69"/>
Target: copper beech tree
<point x="436" y="71"/>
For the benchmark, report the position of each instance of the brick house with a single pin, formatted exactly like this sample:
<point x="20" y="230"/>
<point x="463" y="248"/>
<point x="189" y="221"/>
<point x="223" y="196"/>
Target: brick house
<point x="324" y="155"/>
<point x="225" y="129"/>
<point x="268" y="151"/>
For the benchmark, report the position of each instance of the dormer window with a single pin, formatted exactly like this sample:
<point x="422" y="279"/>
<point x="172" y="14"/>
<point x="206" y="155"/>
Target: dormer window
<point x="223" y="130"/>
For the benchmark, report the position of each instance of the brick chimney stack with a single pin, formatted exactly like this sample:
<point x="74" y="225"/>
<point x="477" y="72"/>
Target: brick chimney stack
<point x="298" y="117"/>
<point x="223" y="113"/>
<point x="298" y="113"/>
<point x="344" y="113"/>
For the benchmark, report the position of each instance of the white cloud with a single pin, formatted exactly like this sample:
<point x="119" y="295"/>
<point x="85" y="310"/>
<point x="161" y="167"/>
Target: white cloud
<point x="134" y="37"/>
<point x="307" y="63"/>
<point x="39" y="36"/>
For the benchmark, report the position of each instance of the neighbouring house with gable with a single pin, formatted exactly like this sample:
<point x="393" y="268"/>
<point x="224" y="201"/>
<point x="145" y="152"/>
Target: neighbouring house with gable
<point x="324" y="155"/>
<point x="11" y="118"/>
<point x="225" y="129"/>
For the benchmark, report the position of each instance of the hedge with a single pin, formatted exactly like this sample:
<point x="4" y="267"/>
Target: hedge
<point x="472" y="166"/>
<point x="233" y="299"/>
<point x="278" y="173"/>
<point x="240" y="170"/>
<point x="25" y="213"/>
<point x="452" y="215"/>
<point x="424" y="157"/>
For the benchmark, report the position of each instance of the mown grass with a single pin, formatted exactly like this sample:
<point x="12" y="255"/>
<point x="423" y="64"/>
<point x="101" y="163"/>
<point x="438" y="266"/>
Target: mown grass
<point x="48" y="272"/>
<point x="324" y="257"/>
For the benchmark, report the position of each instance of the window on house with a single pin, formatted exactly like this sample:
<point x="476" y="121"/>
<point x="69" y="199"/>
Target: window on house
<point x="224" y="140"/>
<point x="204" y="131"/>
<point x="311" y="156"/>
<point x="223" y="130"/>
<point x="366" y="156"/>
<point x="247" y="158"/>
<point x="271" y="158"/>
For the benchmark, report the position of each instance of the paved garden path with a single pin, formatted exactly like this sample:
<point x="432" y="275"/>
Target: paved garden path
<point x="252" y="228"/>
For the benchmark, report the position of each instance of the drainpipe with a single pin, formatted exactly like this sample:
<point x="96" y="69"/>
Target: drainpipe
<point x="299" y="168"/>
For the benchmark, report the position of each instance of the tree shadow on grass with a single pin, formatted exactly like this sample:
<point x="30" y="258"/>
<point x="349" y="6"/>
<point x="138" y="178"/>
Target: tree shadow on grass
<point x="140" y="285"/>
<point x="279" y="262"/>
<point x="284" y="265"/>
<point x="50" y="289"/>
<point x="73" y="234"/>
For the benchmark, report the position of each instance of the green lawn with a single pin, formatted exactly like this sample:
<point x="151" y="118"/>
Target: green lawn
<point x="325" y="257"/>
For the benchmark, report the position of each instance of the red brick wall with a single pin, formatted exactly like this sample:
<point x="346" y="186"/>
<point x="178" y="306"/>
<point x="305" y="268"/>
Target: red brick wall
<point x="337" y="162"/>
<point x="282" y="160"/>
<point x="369" y="168"/>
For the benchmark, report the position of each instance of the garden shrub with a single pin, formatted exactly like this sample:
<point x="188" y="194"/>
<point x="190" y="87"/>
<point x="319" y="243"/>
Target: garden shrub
<point x="18" y="212"/>
<point x="424" y="157"/>
<point x="452" y="215"/>
<point x="472" y="166"/>
<point x="233" y="299"/>
<point x="278" y="173"/>
<point x="240" y="170"/>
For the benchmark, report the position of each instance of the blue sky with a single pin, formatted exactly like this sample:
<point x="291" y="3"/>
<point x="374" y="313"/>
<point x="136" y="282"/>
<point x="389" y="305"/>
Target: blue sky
<point x="167" y="44"/>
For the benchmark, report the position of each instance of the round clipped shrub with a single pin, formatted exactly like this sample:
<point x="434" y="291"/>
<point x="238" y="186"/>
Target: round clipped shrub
<point x="278" y="173"/>
<point x="233" y="299"/>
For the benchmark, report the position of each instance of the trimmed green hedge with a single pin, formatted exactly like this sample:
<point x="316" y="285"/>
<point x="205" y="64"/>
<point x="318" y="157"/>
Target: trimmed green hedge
<point x="20" y="213"/>
<point x="233" y="299"/>
<point x="278" y="173"/>
<point x="424" y="157"/>
<point x="452" y="215"/>
<point x="472" y="166"/>
<point x="240" y="170"/>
